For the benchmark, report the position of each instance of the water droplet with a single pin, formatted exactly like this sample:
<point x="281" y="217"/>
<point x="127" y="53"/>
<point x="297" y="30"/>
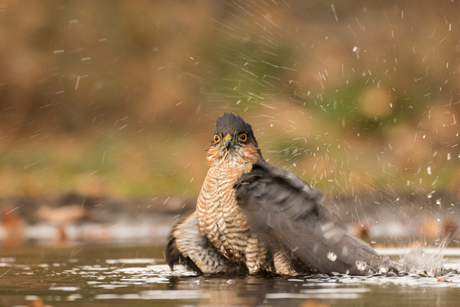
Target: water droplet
<point x="361" y="265"/>
<point x="331" y="256"/>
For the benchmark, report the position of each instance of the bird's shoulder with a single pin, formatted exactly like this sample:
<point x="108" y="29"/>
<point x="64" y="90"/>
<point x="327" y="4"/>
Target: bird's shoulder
<point x="274" y="184"/>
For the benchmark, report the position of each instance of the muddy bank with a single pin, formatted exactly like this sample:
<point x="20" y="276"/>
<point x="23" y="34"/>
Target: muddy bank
<point x="379" y="218"/>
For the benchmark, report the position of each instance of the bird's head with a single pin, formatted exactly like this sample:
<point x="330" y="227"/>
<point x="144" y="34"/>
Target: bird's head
<point x="233" y="138"/>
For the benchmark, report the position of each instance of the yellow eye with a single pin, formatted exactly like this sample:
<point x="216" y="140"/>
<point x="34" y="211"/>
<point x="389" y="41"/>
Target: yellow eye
<point x="243" y="137"/>
<point x="216" y="138"/>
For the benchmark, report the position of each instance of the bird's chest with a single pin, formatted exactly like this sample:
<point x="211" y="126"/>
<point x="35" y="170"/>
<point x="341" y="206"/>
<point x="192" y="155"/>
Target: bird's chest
<point x="219" y="216"/>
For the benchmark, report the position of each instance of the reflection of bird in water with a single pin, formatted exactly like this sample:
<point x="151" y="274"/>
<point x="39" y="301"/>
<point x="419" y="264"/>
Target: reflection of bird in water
<point x="252" y="216"/>
<point x="238" y="291"/>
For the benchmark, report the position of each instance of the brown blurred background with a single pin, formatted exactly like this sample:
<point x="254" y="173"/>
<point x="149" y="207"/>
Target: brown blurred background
<point x="118" y="98"/>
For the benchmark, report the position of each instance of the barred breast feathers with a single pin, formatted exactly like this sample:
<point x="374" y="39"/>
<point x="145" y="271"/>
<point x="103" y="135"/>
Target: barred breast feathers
<point x="220" y="218"/>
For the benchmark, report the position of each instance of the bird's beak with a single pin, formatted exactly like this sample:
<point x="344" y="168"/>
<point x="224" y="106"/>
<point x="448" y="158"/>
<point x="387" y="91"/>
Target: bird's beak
<point x="228" y="141"/>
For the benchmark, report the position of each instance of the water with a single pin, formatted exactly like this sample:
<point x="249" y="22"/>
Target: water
<point x="81" y="275"/>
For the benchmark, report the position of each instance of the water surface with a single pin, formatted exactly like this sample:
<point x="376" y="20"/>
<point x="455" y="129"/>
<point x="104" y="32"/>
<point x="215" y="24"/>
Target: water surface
<point x="80" y="275"/>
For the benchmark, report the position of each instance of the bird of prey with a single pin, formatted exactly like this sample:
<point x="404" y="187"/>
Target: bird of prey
<point x="252" y="216"/>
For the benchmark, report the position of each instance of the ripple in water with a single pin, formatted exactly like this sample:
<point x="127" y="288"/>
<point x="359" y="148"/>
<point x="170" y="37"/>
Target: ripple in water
<point x="137" y="280"/>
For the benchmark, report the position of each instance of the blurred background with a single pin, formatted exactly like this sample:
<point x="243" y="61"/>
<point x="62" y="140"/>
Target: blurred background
<point x="118" y="99"/>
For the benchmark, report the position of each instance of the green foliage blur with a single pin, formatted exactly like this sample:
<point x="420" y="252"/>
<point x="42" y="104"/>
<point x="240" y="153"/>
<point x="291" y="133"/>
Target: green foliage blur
<point x="119" y="97"/>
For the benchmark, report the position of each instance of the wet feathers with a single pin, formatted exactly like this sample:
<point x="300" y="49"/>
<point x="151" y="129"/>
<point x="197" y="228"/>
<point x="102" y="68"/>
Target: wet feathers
<point x="253" y="216"/>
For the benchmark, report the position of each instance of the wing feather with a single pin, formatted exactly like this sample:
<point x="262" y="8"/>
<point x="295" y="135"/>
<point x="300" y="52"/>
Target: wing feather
<point x="286" y="211"/>
<point x="174" y="256"/>
<point x="187" y="246"/>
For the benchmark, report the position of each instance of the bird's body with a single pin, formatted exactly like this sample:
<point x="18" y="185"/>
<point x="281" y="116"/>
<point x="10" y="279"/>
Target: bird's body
<point x="219" y="217"/>
<point x="252" y="216"/>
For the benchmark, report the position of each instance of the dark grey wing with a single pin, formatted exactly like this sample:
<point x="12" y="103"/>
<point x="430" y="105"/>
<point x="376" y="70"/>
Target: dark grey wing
<point x="285" y="211"/>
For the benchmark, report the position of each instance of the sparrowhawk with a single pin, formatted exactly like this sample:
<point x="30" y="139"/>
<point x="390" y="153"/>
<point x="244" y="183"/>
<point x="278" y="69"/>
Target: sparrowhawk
<point x="252" y="216"/>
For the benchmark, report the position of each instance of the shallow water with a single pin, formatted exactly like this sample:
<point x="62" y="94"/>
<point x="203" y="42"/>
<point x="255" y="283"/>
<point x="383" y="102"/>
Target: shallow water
<point x="80" y="275"/>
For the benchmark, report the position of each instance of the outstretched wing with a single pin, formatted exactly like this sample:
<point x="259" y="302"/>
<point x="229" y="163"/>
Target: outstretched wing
<point x="286" y="211"/>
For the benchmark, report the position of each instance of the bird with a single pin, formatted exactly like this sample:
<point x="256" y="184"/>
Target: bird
<point x="254" y="217"/>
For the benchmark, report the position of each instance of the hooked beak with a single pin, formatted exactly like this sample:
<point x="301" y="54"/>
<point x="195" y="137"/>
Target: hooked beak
<point x="228" y="141"/>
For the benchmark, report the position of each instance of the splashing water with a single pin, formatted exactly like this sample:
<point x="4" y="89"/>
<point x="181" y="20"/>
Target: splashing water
<point x="418" y="261"/>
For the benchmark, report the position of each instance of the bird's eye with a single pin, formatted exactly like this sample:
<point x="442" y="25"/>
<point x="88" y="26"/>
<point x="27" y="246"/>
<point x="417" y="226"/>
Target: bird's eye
<point x="216" y="138"/>
<point x="243" y="137"/>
